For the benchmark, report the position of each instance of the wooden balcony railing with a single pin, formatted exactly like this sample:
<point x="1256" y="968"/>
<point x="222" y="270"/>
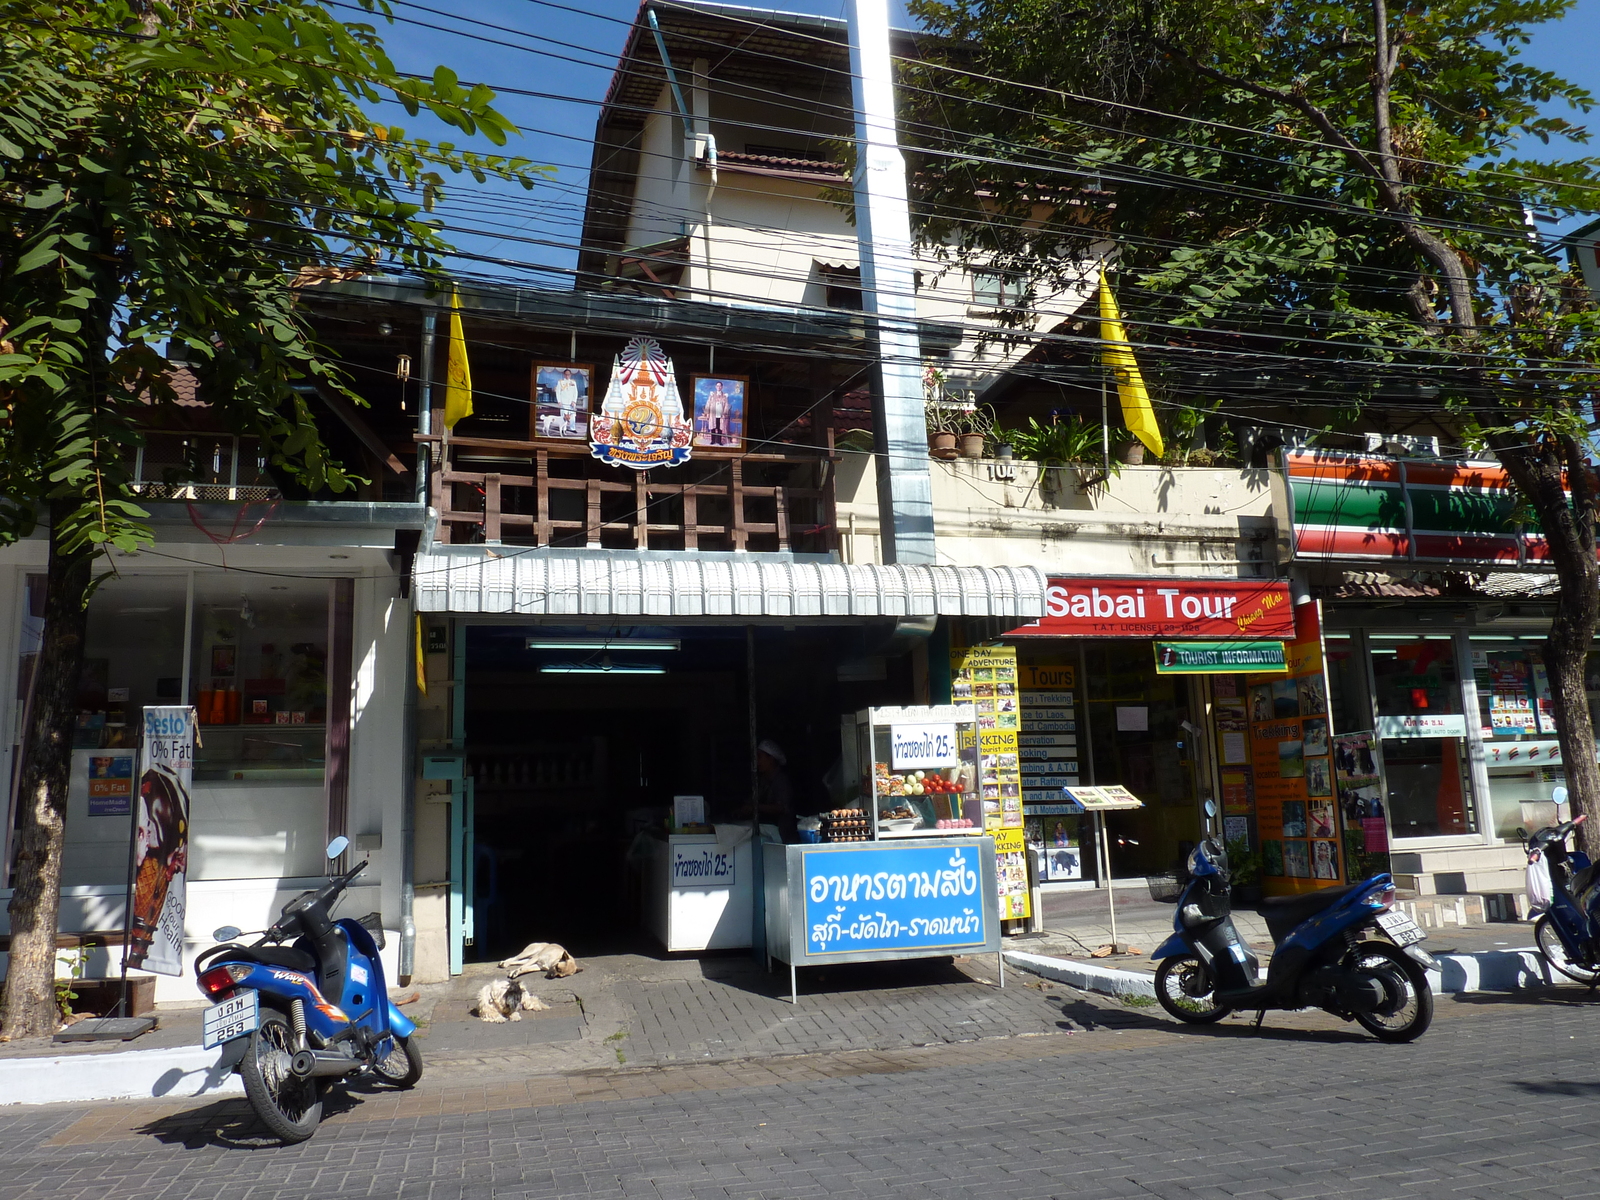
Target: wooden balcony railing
<point x="536" y="493"/>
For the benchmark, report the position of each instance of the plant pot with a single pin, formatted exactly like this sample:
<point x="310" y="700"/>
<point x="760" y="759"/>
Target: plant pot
<point x="942" y="445"/>
<point x="970" y="445"/>
<point x="1132" y="454"/>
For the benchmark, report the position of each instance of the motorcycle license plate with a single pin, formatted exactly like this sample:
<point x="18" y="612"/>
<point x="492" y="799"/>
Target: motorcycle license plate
<point x="1402" y="930"/>
<point x="236" y="1017"/>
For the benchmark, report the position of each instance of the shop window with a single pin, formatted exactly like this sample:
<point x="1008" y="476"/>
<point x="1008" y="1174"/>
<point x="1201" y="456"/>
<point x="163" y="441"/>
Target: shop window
<point x="258" y="662"/>
<point x="1419" y="717"/>
<point x="260" y="679"/>
<point x="1521" y="753"/>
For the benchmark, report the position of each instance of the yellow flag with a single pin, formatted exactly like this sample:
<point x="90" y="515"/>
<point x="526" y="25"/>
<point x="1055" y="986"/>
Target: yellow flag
<point x="1117" y="354"/>
<point x="422" y="661"/>
<point x="457" y="374"/>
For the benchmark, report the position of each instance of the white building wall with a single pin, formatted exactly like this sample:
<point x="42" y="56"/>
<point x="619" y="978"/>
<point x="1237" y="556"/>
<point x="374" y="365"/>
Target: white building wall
<point x="250" y="847"/>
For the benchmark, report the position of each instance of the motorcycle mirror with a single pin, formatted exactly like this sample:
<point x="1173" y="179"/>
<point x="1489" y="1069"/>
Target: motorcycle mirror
<point x="1558" y="795"/>
<point x="1211" y="810"/>
<point x="337" y="847"/>
<point x="1521" y="833"/>
<point x="225" y="933"/>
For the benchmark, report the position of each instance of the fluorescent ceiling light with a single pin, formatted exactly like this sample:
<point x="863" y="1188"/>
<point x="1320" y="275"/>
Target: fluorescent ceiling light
<point x="558" y="643"/>
<point x="613" y="669"/>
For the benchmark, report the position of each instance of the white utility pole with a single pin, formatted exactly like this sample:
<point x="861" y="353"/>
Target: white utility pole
<point x="888" y="292"/>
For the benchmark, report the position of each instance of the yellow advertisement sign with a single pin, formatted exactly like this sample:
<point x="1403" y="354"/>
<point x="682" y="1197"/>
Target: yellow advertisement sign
<point x="1011" y="873"/>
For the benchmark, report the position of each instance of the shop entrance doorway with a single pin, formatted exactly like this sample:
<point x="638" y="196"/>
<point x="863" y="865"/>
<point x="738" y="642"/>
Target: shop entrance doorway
<point x="578" y="739"/>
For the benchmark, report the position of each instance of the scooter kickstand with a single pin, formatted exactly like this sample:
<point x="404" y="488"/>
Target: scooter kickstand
<point x="1261" y="1015"/>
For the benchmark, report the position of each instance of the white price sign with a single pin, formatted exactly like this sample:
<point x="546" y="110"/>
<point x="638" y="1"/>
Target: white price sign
<point x="915" y="747"/>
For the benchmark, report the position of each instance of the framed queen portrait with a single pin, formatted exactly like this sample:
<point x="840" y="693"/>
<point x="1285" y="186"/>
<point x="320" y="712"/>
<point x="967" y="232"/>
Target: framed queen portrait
<point x="561" y="398"/>
<point x="719" y="403"/>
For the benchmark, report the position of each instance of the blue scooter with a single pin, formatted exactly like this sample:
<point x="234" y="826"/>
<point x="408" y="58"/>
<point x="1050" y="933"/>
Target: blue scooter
<point x="1568" y="934"/>
<point x="293" y="1018"/>
<point x="1340" y="949"/>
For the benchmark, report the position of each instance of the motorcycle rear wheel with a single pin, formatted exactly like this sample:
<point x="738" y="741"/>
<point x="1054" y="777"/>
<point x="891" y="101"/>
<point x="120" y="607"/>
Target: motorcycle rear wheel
<point x="1551" y="949"/>
<point x="1187" y="991"/>
<point x="403" y="1065"/>
<point x="1414" y="1012"/>
<point x="290" y="1107"/>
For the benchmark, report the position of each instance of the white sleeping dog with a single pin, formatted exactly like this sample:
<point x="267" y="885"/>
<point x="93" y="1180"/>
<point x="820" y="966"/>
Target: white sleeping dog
<point x="502" y="1000"/>
<point x="548" y="957"/>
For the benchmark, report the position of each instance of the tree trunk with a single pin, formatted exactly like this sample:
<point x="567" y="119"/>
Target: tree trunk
<point x="1569" y="529"/>
<point x="28" y="1004"/>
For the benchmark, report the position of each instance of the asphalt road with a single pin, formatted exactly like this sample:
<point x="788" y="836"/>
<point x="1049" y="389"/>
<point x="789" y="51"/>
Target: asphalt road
<point x="1497" y="1100"/>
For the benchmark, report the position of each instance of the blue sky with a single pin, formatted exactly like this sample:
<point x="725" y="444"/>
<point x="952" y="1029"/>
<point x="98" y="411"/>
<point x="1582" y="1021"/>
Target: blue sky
<point x="581" y="42"/>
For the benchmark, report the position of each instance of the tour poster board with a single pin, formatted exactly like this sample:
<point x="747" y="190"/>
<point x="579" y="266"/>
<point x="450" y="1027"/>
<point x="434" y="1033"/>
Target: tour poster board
<point x="1011" y="874"/>
<point x="986" y="678"/>
<point x="1297" y="817"/>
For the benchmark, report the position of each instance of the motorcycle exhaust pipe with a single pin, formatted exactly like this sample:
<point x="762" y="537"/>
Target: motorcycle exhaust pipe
<point x="316" y="1064"/>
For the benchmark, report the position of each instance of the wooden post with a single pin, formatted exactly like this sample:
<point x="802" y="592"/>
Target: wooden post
<point x="691" y="517"/>
<point x="736" y="502"/>
<point x="491" y="508"/>
<point x="594" y="513"/>
<point x="541" y="471"/>
<point x="641" y="510"/>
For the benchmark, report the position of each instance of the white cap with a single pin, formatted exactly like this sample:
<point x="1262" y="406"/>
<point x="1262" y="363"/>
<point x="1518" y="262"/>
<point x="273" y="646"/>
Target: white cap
<point x="770" y="748"/>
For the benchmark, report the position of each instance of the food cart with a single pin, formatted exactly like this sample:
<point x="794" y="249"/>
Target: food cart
<point x="903" y="870"/>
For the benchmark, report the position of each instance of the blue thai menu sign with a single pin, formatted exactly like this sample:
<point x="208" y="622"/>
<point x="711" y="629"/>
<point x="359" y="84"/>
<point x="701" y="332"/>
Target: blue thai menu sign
<point x="895" y="898"/>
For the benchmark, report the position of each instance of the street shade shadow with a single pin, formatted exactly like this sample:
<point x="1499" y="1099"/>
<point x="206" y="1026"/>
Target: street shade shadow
<point x="1574" y="995"/>
<point x="232" y="1124"/>
<point x="1081" y="1014"/>
<point x="747" y="975"/>
<point x="1561" y="1087"/>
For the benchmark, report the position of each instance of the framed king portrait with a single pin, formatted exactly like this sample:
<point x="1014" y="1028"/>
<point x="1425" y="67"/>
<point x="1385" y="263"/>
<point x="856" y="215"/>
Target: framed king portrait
<point x="719" y="413"/>
<point x="562" y="393"/>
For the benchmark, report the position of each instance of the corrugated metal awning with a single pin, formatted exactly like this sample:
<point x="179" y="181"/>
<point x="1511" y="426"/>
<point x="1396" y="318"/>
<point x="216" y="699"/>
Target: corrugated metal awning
<point x="549" y="583"/>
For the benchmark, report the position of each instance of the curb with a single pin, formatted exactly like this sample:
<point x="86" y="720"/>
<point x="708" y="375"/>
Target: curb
<point x="1105" y="980"/>
<point x="1486" y="971"/>
<point x="118" y="1075"/>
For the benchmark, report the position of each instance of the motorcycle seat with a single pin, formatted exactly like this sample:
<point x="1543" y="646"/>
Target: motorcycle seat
<point x="1283" y="913"/>
<point x="277" y="956"/>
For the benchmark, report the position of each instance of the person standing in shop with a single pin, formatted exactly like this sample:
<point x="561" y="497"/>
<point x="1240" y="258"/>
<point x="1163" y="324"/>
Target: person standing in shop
<point x="774" y="799"/>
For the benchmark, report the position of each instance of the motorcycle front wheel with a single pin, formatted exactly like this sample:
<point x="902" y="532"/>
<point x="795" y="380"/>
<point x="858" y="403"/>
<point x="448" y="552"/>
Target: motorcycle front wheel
<point x="1409" y="1010"/>
<point x="1187" y="991"/>
<point x="402" y="1066"/>
<point x="1554" y="952"/>
<point x="289" y="1106"/>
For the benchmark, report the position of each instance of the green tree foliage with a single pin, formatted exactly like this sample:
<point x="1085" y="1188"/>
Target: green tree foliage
<point x="1329" y="198"/>
<point x="170" y="173"/>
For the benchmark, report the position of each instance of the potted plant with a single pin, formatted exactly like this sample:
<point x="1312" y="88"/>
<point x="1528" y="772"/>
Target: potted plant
<point x="972" y="424"/>
<point x="1244" y="868"/>
<point x="1071" y="443"/>
<point x="938" y="412"/>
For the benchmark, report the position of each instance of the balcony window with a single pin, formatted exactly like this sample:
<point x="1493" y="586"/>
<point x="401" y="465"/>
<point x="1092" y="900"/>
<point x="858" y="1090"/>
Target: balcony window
<point x="994" y="289"/>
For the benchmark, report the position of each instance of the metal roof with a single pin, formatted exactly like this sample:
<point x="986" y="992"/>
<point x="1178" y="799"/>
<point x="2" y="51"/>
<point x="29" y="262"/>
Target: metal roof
<point x="544" y="582"/>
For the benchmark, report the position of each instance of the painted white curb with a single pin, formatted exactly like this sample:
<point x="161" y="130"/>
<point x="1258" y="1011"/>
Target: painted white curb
<point x="1088" y="976"/>
<point x="117" y="1075"/>
<point x="1492" y="971"/>
<point x="1486" y="971"/>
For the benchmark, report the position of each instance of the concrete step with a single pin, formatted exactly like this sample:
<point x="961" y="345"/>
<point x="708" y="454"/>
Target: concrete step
<point x="1463" y="883"/>
<point x="1439" y="912"/>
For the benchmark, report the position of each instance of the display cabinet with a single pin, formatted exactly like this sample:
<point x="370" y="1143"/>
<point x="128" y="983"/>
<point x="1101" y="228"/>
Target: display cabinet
<point x="916" y="770"/>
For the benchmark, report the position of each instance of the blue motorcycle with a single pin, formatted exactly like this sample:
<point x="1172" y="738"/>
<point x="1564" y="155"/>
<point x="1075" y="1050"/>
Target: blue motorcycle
<point x="1568" y="934"/>
<point x="1340" y="949"/>
<point x="294" y="1018"/>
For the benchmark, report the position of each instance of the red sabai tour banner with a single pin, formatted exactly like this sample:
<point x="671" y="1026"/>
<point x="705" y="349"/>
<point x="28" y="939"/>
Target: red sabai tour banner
<point x="1216" y="608"/>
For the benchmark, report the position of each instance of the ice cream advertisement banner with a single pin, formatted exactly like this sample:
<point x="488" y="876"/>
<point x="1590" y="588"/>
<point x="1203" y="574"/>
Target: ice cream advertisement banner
<point x="161" y="840"/>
